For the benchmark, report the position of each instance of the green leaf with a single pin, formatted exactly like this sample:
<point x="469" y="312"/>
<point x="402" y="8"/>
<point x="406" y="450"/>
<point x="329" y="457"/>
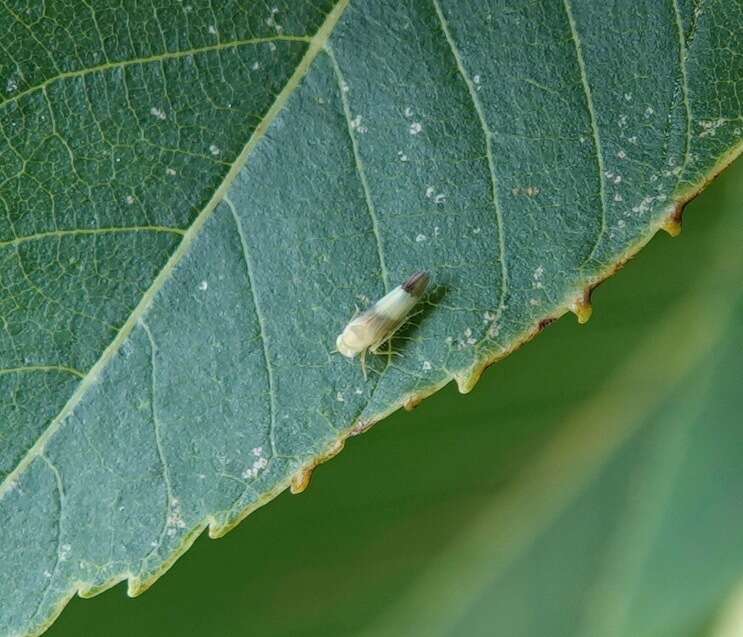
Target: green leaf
<point x="196" y="197"/>
<point x="379" y="515"/>
<point x="628" y="523"/>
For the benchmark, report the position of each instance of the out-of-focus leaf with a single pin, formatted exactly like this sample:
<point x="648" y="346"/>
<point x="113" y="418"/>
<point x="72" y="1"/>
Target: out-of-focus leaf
<point x="196" y="195"/>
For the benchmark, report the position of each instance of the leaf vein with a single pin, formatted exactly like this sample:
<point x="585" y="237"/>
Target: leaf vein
<point x="89" y="231"/>
<point x="249" y="267"/>
<point x="169" y="502"/>
<point x="168" y="55"/>
<point x="598" y="149"/>
<point x="358" y="164"/>
<point x="684" y="85"/>
<point x="488" y="134"/>
<point x="42" y="368"/>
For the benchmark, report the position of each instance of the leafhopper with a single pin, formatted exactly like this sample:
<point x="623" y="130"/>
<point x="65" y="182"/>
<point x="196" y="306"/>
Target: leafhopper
<point x="375" y="326"/>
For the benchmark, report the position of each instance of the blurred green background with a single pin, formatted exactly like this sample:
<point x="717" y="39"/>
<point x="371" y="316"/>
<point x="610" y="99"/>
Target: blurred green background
<point x="588" y="486"/>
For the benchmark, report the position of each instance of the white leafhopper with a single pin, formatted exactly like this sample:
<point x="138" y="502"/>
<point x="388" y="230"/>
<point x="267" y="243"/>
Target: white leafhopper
<point x="375" y="326"/>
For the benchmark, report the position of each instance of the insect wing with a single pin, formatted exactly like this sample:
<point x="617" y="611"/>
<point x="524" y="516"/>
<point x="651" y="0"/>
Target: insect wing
<point x="389" y="314"/>
<point x="373" y="328"/>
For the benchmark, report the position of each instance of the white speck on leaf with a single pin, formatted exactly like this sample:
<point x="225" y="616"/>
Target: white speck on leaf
<point x="212" y="29"/>
<point x="408" y="112"/>
<point x="339" y="397"/>
<point x="415" y="128"/>
<point x="709" y="127"/>
<point x="11" y="85"/>
<point x="174" y="519"/>
<point x="426" y="366"/>
<point x="170" y="171"/>
<point x="158" y="112"/>
<point x="644" y="205"/>
<point x="649" y="112"/>
<point x="538" y="277"/>
<point x="258" y="465"/>
<point x="214" y="150"/>
<point x="420" y="238"/>
<point x="203" y="285"/>
<point x="129" y="200"/>
<point x="622" y="155"/>
<point x="357" y="126"/>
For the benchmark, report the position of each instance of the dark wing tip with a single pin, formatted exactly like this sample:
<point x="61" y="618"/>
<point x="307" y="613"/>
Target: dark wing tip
<point x="417" y="284"/>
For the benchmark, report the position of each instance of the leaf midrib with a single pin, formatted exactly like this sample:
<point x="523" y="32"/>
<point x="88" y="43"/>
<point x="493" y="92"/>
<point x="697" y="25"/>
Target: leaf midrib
<point x="316" y="44"/>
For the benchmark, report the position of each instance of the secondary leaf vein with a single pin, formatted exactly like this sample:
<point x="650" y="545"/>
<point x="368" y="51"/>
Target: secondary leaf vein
<point x="360" y="168"/>
<point x="488" y="152"/>
<point x="168" y="55"/>
<point x="249" y="267"/>
<point x="598" y="150"/>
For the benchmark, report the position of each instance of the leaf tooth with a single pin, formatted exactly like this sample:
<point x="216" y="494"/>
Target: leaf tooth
<point x="672" y="224"/>
<point x="466" y="381"/>
<point x="581" y="306"/>
<point x="412" y="402"/>
<point x="672" y="227"/>
<point x="302" y="478"/>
